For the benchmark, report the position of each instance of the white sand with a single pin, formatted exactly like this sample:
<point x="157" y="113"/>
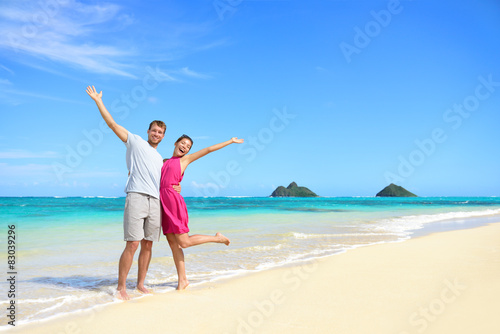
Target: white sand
<point x="443" y="283"/>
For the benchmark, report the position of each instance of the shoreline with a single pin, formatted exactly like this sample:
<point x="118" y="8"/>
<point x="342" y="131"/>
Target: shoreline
<point x="426" y="229"/>
<point x="394" y="283"/>
<point x="454" y="224"/>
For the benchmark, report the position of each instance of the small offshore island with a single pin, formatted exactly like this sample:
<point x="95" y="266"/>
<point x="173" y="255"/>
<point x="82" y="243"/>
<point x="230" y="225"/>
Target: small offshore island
<point x="293" y="190"/>
<point x="393" y="190"/>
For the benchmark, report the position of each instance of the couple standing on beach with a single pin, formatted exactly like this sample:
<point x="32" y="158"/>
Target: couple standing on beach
<point x="153" y="198"/>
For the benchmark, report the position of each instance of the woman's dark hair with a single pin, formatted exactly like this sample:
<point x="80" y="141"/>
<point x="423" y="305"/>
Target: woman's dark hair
<point x="184" y="136"/>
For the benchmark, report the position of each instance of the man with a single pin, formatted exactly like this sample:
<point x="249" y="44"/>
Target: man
<point x="142" y="216"/>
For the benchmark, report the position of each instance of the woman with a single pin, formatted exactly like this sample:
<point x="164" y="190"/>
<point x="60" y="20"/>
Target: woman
<point x="174" y="211"/>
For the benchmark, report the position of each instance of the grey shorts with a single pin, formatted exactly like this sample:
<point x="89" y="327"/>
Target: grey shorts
<point x="142" y="218"/>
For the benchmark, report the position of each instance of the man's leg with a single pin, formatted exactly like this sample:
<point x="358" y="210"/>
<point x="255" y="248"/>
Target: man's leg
<point x="124" y="267"/>
<point x="152" y="231"/>
<point x="144" y="260"/>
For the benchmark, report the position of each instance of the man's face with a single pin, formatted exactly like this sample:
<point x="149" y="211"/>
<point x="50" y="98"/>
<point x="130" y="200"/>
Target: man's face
<point x="155" y="135"/>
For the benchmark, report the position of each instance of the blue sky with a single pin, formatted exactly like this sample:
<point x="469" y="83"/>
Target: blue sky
<point x="343" y="97"/>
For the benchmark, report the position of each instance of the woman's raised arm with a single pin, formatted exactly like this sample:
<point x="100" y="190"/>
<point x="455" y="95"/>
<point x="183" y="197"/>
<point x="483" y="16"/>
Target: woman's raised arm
<point x="189" y="158"/>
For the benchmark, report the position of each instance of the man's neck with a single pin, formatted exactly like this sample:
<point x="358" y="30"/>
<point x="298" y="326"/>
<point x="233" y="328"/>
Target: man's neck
<point x="152" y="145"/>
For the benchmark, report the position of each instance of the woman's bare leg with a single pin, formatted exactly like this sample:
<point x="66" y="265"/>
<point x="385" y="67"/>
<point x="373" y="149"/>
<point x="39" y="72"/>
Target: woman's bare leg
<point x="185" y="240"/>
<point x="144" y="260"/>
<point x="178" y="255"/>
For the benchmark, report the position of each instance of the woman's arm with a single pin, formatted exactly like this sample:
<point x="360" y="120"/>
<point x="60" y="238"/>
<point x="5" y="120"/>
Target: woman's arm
<point x="189" y="158"/>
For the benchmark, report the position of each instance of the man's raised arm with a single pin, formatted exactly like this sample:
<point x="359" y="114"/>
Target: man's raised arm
<point x="119" y="130"/>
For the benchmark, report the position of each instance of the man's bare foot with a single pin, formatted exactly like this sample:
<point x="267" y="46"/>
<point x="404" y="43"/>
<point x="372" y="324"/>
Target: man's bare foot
<point x="182" y="285"/>
<point x="143" y="289"/>
<point x="122" y="294"/>
<point x="223" y="239"/>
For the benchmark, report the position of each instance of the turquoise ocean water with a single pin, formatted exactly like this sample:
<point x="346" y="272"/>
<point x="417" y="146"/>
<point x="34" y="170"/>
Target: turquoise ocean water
<point x="67" y="249"/>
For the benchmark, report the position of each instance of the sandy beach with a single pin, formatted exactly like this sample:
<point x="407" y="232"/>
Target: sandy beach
<point x="441" y="283"/>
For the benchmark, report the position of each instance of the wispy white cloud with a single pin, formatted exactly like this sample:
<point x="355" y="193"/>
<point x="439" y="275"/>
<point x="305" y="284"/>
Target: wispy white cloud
<point x="202" y="186"/>
<point x="186" y="71"/>
<point x="94" y="37"/>
<point x="164" y="76"/>
<point x="24" y="171"/>
<point x="62" y="31"/>
<point x="35" y="95"/>
<point x="176" y="75"/>
<point x="6" y="69"/>
<point x="152" y="99"/>
<point x="201" y="137"/>
<point x="24" y="154"/>
<point x="212" y="45"/>
<point x="5" y="82"/>
<point x="14" y="173"/>
<point x="97" y="174"/>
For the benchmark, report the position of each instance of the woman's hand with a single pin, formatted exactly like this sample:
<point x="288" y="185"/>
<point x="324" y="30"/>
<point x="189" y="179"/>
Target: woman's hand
<point x="237" y="141"/>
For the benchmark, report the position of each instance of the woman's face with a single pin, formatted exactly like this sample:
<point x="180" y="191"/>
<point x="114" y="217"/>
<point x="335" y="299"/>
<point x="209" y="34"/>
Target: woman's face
<point x="182" y="147"/>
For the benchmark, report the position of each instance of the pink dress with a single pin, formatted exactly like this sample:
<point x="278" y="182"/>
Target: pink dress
<point x="174" y="217"/>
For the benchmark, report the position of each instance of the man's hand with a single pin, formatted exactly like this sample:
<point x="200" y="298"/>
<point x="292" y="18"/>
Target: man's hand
<point x="93" y="93"/>
<point x="119" y="130"/>
<point x="177" y="187"/>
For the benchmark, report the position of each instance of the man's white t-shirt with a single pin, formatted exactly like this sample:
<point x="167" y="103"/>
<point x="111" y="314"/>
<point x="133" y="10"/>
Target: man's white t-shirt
<point x="144" y="164"/>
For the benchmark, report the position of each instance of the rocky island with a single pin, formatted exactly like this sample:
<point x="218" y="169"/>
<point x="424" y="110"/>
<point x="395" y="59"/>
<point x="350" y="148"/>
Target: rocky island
<point x="293" y="191"/>
<point x="393" y="190"/>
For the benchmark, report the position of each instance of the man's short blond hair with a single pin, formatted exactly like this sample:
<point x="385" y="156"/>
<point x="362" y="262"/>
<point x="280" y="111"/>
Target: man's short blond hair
<point x="160" y="124"/>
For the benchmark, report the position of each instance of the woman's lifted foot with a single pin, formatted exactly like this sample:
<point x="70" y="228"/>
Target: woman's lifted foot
<point x="222" y="239"/>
